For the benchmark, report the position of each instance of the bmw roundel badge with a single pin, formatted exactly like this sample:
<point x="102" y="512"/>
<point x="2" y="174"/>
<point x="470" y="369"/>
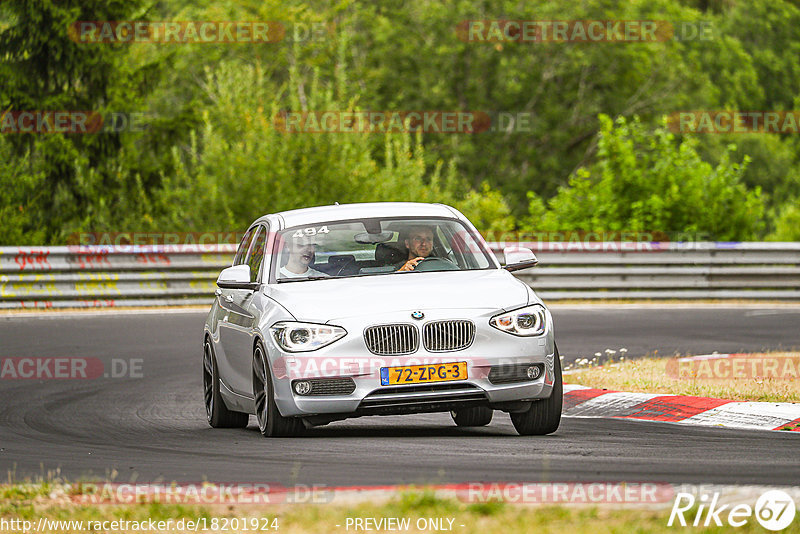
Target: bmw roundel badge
<point x="417" y="315"/>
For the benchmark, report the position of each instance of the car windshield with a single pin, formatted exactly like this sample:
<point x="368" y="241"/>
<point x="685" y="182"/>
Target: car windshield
<point x="377" y="246"/>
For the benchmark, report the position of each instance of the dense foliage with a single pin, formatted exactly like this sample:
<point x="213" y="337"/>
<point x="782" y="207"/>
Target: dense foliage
<point x="644" y="182"/>
<point x="593" y="152"/>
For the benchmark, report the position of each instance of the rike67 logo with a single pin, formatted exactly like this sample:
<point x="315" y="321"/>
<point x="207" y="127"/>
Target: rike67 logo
<point x="774" y="510"/>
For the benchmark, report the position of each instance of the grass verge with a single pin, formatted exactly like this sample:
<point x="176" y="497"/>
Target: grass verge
<point x="656" y="375"/>
<point x="34" y="501"/>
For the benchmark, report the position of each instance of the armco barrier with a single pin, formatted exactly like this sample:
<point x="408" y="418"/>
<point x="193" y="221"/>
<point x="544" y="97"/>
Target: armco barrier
<point x="104" y="276"/>
<point x="54" y="277"/>
<point x="663" y="270"/>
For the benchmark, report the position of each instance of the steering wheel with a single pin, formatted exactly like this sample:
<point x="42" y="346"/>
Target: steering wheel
<point x="341" y="269"/>
<point x="436" y="264"/>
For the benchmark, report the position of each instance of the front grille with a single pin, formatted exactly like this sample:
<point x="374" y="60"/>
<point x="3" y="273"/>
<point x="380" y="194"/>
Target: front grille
<point x="508" y="374"/>
<point x="330" y="386"/>
<point x="392" y="339"/>
<point x="446" y="336"/>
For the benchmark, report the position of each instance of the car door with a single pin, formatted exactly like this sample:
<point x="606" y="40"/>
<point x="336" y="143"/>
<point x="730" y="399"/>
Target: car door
<point x="238" y="322"/>
<point x="223" y="307"/>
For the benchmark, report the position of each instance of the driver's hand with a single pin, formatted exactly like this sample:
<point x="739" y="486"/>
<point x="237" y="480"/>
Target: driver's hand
<point x="411" y="264"/>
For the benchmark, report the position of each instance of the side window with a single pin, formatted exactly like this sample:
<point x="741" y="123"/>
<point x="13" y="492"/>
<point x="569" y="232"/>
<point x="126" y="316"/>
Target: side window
<point x="243" y="246"/>
<point x="256" y="255"/>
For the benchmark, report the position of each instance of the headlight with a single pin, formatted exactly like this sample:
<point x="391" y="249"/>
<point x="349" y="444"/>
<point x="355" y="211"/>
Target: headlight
<point x="528" y="321"/>
<point x="302" y="337"/>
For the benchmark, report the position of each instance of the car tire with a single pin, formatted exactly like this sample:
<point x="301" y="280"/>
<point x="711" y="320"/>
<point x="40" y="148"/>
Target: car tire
<point x="270" y="421"/>
<point x="544" y="416"/>
<point x="217" y="414"/>
<point x="475" y="416"/>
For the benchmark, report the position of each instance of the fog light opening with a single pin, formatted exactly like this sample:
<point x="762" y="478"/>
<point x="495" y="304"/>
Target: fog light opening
<point x="533" y="372"/>
<point x="302" y="387"/>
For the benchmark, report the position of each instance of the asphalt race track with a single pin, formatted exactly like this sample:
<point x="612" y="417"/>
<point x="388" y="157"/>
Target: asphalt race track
<point x="153" y="428"/>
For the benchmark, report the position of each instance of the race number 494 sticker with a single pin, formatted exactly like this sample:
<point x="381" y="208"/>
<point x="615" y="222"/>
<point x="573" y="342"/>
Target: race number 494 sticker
<point x="310" y="231"/>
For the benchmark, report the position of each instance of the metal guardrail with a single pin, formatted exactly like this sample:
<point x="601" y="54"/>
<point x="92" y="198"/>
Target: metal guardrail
<point x="107" y="276"/>
<point x="679" y="270"/>
<point x="102" y="276"/>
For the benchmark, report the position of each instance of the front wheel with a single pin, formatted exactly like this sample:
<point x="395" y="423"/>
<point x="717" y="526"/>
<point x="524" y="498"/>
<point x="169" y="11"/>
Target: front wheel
<point x="217" y="414"/>
<point x="270" y="422"/>
<point x="544" y="416"/>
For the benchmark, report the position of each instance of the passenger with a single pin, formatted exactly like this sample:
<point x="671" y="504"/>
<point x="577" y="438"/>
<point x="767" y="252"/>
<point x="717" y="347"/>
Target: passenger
<point x="419" y="242"/>
<point x="301" y="255"/>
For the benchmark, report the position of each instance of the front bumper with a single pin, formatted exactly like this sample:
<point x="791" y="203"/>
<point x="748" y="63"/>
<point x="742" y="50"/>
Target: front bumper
<point x="350" y="358"/>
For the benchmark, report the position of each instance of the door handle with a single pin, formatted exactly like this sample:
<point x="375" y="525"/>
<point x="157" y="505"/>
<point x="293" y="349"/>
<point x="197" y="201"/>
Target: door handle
<point x="228" y="298"/>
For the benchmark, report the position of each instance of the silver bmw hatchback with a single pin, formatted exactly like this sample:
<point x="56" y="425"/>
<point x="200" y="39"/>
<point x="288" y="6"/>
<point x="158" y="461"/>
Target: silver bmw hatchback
<point x="376" y="309"/>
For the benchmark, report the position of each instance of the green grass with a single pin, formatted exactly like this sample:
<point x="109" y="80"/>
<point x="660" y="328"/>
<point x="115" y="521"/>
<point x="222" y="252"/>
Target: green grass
<point x="31" y="501"/>
<point x="650" y="375"/>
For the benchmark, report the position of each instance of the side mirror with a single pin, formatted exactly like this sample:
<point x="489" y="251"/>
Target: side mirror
<point x="518" y="258"/>
<point x="236" y="277"/>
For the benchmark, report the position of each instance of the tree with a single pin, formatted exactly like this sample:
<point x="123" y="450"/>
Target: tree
<point x="645" y="181"/>
<point x="44" y="69"/>
<point x="241" y="164"/>
<point x="410" y="57"/>
<point x="787" y="223"/>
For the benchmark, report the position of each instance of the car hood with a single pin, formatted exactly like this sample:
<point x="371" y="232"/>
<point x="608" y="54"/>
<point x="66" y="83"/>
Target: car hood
<point x="327" y="299"/>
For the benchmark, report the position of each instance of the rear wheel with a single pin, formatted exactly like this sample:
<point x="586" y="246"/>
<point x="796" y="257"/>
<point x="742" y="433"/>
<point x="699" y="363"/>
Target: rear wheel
<point x="475" y="416"/>
<point x="217" y="414"/>
<point x="544" y="415"/>
<point x="270" y="422"/>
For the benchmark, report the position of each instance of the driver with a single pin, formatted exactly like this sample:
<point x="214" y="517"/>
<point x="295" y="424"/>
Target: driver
<point x="419" y="242"/>
<point x="301" y="255"/>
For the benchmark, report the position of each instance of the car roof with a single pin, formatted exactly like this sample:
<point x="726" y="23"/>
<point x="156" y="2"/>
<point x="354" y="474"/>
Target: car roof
<point x="338" y="212"/>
